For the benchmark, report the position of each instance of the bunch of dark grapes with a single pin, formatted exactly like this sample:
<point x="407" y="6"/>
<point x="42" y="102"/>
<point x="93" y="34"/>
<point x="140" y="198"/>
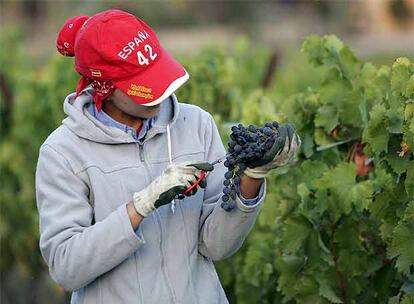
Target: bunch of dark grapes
<point x="246" y="146"/>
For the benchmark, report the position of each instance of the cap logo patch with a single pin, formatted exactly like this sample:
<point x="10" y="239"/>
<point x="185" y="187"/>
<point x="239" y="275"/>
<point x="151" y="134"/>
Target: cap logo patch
<point x="96" y="73"/>
<point x="140" y="91"/>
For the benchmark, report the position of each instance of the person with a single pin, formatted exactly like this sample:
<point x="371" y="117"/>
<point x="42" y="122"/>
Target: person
<point x="115" y="226"/>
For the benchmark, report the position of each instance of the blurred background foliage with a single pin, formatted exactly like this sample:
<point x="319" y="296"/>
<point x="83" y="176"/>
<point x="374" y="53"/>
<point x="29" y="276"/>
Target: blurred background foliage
<point x="246" y="66"/>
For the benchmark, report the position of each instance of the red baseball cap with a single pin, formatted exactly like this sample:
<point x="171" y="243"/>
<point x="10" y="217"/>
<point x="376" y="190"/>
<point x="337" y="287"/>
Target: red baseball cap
<point x="117" y="46"/>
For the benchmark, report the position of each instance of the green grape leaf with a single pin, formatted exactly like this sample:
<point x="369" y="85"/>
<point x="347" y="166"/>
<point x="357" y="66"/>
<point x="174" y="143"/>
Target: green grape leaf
<point x="395" y="114"/>
<point x="311" y="170"/>
<point x="314" y="49"/>
<point x="326" y="291"/>
<point x="379" y="87"/>
<point x="409" y="111"/>
<point x="409" y="135"/>
<point x="321" y="137"/>
<point x="293" y="263"/>
<point x="307" y="144"/>
<point x="349" y="63"/>
<point x="409" y="92"/>
<point x="398" y="163"/>
<point x="380" y="204"/>
<point x="383" y="281"/>
<point x="367" y="74"/>
<point x="409" y="180"/>
<point x="353" y="111"/>
<point x="400" y="75"/>
<point x="327" y="118"/>
<point x="333" y="46"/>
<point x="347" y="237"/>
<point x="376" y="133"/>
<point x="395" y="120"/>
<point x="303" y="192"/>
<point x="402" y="241"/>
<point x="361" y="195"/>
<point x="334" y="89"/>
<point x="339" y="180"/>
<point x="296" y="232"/>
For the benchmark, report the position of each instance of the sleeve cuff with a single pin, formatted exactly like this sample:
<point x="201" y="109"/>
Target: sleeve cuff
<point x="135" y="239"/>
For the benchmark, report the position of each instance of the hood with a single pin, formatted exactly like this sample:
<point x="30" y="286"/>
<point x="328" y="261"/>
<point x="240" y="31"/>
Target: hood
<point x="83" y="124"/>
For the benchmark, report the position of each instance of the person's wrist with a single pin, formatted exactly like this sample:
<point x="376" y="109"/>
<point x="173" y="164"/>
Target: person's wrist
<point x="249" y="187"/>
<point x="134" y="217"/>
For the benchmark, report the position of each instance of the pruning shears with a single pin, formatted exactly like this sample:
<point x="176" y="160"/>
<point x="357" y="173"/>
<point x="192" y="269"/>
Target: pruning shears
<point x="203" y="175"/>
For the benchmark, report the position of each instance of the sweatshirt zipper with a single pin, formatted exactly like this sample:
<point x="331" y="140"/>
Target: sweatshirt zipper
<point x="141" y="152"/>
<point x="157" y="216"/>
<point x="162" y="259"/>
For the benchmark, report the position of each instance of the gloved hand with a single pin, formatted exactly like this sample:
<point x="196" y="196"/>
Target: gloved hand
<point x="286" y="145"/>
<point x="173" y="181"/>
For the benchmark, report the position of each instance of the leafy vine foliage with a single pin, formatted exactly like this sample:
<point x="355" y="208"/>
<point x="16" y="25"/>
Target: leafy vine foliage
<point x="336" y="227"/>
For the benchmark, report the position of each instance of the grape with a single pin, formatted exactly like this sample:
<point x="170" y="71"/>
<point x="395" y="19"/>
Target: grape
<point x="233" y="194"/>
<point x="268" y="131"/>
<point x="237" y="148"/>
<point x="241" y="141"/>
<point x="236" y="180"/>
<point x="226" y="206"/>
<point x="252" y="128"/>
<point x="246" y="145"/>
<point x="232" y="143"/>
<point x="228" y="175"/>
<point x="226" y="190"/>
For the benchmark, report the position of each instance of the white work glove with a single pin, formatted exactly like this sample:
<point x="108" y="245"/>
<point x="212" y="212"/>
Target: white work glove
<point x="172" y="182"/>
<point x="282" y="152"/>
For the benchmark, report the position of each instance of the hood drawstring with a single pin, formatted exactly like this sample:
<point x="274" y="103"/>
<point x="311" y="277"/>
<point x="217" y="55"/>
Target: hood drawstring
<point x="170" y="158"/>
<point x="169" y="143"/>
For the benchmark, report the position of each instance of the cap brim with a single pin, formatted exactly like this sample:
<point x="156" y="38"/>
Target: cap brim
<point x="156" y="83"/>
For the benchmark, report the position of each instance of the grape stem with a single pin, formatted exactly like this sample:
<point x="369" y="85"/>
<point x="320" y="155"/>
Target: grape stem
<point x="221" y="158"/>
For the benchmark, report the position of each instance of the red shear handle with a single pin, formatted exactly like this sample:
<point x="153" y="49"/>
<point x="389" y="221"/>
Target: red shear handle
<point x="202" y="175"/>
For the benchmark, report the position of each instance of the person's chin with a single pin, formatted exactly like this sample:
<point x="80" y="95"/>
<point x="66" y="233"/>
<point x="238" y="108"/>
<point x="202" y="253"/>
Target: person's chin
<point x="147" y="115"/>
<point x="153" y="112"/>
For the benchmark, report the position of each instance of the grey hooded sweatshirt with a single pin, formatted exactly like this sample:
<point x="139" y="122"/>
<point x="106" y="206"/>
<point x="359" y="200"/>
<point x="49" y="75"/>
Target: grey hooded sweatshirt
<point x="87" y="172"/>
